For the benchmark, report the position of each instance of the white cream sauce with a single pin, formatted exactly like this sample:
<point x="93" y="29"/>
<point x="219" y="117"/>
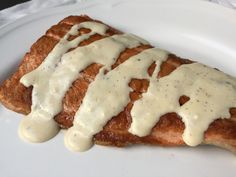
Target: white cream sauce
<point x="54" y="76"/>
<point x="211" y="92"/>
<point x="39" y="125"/>
<point x="107" y="96"/>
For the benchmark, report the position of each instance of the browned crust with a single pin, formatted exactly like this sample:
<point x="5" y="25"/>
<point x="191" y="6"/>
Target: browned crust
<point x="167" y="132"/>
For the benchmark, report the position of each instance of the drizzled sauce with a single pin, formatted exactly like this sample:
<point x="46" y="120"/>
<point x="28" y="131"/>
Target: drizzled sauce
<point x="39" y="125"/>
<point x="211" y="92"/>
<point x="54" y="76"/>
<point x="107" y="96"/>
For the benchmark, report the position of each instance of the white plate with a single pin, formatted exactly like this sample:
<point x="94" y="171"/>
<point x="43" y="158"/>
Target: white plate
<point x="199" y="30"/>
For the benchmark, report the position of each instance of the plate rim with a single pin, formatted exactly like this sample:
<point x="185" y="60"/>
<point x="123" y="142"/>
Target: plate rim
<point x="49" y="12"/>
<point x="89" y="3"/>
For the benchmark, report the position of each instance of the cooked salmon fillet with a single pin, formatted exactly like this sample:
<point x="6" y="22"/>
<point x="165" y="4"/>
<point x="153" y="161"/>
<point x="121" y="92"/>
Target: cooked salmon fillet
<point x="167" y="132"/>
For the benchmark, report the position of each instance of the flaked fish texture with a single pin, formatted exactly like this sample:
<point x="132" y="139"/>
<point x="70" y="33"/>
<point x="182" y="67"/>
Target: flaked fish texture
<point x="168" y="129"/>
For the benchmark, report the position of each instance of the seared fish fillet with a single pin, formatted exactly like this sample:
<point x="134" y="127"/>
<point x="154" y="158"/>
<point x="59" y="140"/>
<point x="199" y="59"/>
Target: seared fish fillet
<point x="167" y="132"/>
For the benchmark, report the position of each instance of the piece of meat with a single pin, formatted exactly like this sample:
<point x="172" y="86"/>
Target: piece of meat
<point x="167" y="132"/>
